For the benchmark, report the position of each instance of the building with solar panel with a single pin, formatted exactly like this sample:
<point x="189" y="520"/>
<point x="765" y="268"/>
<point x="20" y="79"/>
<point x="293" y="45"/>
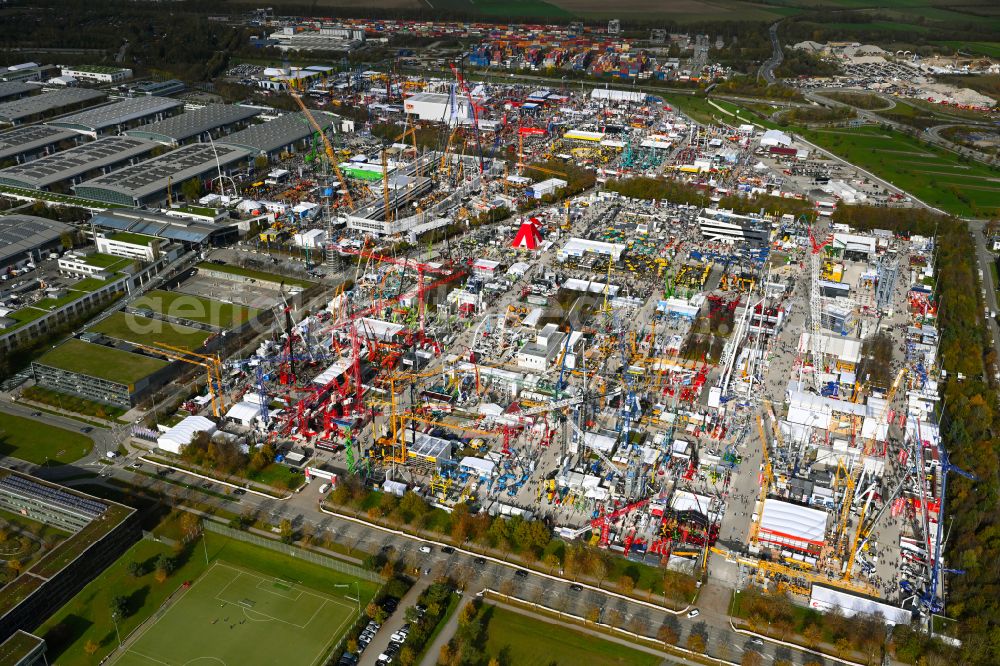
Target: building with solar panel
<point x="23" y="144"/>
<point x="286" y="133"/>
<point x="100" y="532"/>
<point x="120" y="116"/>
<point x="39" y="107"/>
<point x="147" y="183"/>
<point x="213" y="120"/>
<point x="27" y="237"/>
<point x="60" y="171"/>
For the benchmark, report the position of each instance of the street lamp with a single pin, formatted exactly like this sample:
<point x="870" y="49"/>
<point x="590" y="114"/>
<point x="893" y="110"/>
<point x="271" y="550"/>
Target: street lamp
<point x="114" y="618"/>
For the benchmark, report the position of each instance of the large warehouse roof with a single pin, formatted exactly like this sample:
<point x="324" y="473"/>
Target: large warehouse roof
<point x="192" y="123"/>
<point x="30" y="137"/>
<point x="791" y="523"/>
<point x="10" y="89"/>
<point x="278" y="133"/>
<point x="20" y="234"/>
<point x="61" y="166"/>
<point x="152" y="176"/>
<point x="826" y="599"/>
<point x="50" y="102"/>
<point x="94" y="120"/>
<point x="157" y="224"/>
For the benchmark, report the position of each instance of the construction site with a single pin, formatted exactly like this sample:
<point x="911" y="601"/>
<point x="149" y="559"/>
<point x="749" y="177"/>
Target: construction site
<point x="484" y="320"/>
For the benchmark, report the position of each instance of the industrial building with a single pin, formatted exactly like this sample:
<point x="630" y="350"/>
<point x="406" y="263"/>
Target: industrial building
<point x="186" y="231"/>
<point x="149" y="182"/>
<point x="98" y="73"/>
<point x="438" y="107"/>
<point x="100" y="373"/>
<point x="729" y="227"/>
<point x="60" y="171"/>
<point x="27" y="237"/>
<point x="212" y="121"/>
<point x="28" y="71"/>
<point x="120" y="116"/>
<point x="286" y="133"/>
<point x="11" y="90"/>
<point x="161" y="88"/>
<point x="39" y="107"/>
<point x="23" y="144"/>
<point x="107" y="529"/>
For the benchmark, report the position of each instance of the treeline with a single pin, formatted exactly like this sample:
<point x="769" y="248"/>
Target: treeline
<point x="531" y="540"/>
<point x="748" y="86"/>
<point x="969" y="425"/>
<point x="820" y="114"/>
<point x="797" y="62"/>
<point x="679" y="192"/>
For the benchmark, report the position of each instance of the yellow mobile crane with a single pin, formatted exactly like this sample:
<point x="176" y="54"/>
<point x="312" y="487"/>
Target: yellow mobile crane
<point x="330" y="154"/>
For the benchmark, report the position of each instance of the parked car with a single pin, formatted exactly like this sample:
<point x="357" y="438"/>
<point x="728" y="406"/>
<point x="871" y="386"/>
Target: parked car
<point x="694" y="612"/>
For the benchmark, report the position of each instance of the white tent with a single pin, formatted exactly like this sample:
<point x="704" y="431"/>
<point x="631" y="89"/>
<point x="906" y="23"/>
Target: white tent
<point x="478" y="466"/>
<point x="792" y="525"/>
<point x="244" y="412"/>
<point x="175" y="439"/>
<point x="826" y="599"/>
<point x="775" y="138"/>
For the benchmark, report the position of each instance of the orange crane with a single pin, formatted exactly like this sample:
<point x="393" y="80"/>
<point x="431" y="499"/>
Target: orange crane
<point x="214" y="382"/>
<point x="331" y="155"/>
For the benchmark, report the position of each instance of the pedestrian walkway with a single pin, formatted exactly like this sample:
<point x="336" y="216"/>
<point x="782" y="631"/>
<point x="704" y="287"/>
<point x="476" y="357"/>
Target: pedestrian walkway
<point x="431" y="656"/>
<point x="393" y="624"/>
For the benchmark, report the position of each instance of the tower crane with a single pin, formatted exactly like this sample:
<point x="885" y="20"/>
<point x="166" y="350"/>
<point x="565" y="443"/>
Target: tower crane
<point x="475" y="112"/>
<point x="214" y="383"/>
<point x="330" y="154"/>
<point x="612" y="468"/>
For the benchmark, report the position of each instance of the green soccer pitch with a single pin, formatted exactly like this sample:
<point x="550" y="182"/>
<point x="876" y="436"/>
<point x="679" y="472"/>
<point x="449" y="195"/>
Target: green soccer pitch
<point x="233" y="616"/>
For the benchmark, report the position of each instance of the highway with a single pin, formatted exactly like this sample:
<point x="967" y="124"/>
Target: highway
<point x="777" y="55"/>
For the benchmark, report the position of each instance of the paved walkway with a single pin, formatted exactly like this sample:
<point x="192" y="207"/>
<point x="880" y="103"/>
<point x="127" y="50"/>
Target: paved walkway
<point x="394" y="623"/>
<point x="431" y="656"/>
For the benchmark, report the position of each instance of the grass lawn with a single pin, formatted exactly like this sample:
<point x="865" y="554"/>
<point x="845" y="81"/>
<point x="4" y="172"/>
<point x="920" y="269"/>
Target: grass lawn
<point x="134" y="239"/>
<point x="933" y="175"/>
<point x="299" y="620"/>
<point x="143" y="330"/>
<point x="693" y="106"/>
<point x="526" y="641"/>
<point x="263" y="276"/>
<point x="100" y="361"/>
<point x="279" y="476"/>
<point x="107" y="261"/>
<point x="991" y="49"/>
<point x="194" y="308"/>
<point x="36" y="442"/>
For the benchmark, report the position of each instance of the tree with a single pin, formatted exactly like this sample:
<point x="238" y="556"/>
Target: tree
<point x="136" y="569"/>
<point x="260" y="162"/>
<point x="190" y="525"/>
<point x="191" y="189"/>
<point x="371" y="609"/>
<point x="467" y="614"/>
<point x="613" y="618"/>
<point x="407" y="657"/>
<point x="119" y="605"/>
<point x="166" y="564"/>
<point x="593" y="614"/>
<point x="667" y="635"/>
<point x="751" y="658"/>
<point x="286" y="530"/>
<point x="551" y="561"/>
<point x="696" y="643"/>
<point x="90" y="647"/>
<point x="626" y="584"/>
<point x="813" y="635"/>
<point x="352" y="645"/>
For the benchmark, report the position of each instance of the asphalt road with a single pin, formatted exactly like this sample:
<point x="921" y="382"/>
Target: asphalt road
<point x="777" y="55"/>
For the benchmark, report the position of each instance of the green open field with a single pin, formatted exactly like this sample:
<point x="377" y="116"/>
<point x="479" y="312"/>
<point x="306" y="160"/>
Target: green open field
<point x="100" y="361"/>
<point x="194" y="308"/>
<point x="527" y="642"/>
<point x="937" y="177"/>
<point x="232" y="616"/>
<point x="287" y="624"/>
<point x="147" y="331"/>
<point x="36" y="442"/>
<point x="991" y="49"/>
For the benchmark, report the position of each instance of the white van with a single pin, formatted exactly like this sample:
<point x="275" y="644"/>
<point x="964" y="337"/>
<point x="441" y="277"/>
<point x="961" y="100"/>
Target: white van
<point x="325" y="487"/>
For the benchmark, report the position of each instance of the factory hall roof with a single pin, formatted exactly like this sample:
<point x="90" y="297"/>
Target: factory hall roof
<point x="93" y="120"/>
<point x="152" y="176"/>
<point x="67" y="164"/>
<point x="15" y="88"/>
<point x="192" y="123"/>
<point x="278" y="133"/>
<point x="20" y="234"/>
<point x="51" y="101"/>
<point x="150" y="223"/>
<point x="27" y="138"/>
